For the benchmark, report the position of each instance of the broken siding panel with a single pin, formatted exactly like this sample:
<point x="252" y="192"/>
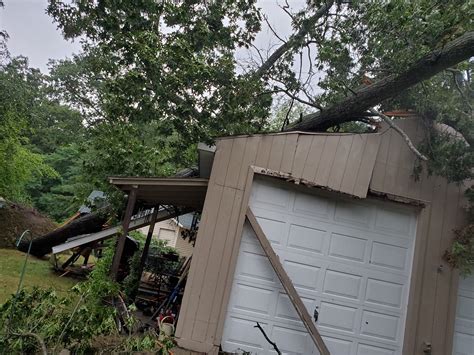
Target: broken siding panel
<point x="276" y="153"/>
<point x="313" y="158"/>
<point x="235" y="162"/>
<point x="364" y="174"/>
<point x="340" y="162"/>
<point x="289" y="152"/>
<point x="250" y="154"/>
<point x="211" y="269"/>
<point x="354" y="162"/>
<point x="301" y="154"/>
<point x="378" y="174"/>
<point x="327" y="160"/>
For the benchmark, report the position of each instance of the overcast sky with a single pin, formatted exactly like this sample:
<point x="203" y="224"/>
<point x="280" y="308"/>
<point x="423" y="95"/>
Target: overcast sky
<point x="34" y="35"/>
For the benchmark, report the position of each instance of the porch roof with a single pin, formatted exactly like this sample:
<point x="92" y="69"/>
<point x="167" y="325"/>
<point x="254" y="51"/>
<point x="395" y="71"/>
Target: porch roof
<point x="153" y="191"/>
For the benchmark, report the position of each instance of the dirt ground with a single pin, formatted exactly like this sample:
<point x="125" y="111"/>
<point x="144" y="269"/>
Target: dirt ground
<point x="15" y="219"/>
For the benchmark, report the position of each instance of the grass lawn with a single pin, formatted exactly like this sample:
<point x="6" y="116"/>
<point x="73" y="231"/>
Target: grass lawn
<point x="38" y="273"/>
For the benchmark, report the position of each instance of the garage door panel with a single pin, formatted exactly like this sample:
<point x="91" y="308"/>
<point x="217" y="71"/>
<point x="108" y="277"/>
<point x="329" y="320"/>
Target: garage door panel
<point x="307" y="239"/>
<point x="384" y="293"/>
<point x="255" y="266"/>
<point x="243" y="335"/>
<point x="286" y="311"/>
<point x="295" y="341"/>
<point x="394" y="221"/>
<point x="365" y="349"/>
<point x="303" y="275"/>
<point x="354" y="268"/>
<point x="270" y="195"/>
<point x="353" y="214"/>
<point x="463" y="342"/>
<point x="342" y="284"/>
<point x="314" y="206"/>
<point x="253" y="299"/>
<point x="380" y="325"/>
<point x="389" y="256"/>
<point x="338" y="345"/>
<point x="347" y="247"/>
<point x="337" y="317"/>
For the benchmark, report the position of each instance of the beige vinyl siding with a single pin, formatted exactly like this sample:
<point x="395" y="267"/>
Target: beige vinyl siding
<point x="184" y="247"/>
<point x="351" y="164"/>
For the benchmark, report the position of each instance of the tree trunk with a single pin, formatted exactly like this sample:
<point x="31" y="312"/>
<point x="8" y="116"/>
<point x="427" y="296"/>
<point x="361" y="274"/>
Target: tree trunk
<point x="43" y="245"/>
<point x="454" y="52"/>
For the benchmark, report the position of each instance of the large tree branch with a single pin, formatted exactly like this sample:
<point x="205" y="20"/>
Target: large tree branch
<point x="400" y="132"/>
<point x="294" y="39"/>
<point x="452" y="53"/>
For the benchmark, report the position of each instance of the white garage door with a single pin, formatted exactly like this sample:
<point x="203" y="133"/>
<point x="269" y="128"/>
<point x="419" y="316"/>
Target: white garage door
<point x="349" y="260"/>
<point x="464" y="326"/>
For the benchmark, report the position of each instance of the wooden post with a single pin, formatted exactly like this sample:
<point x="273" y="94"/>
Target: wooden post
<point x="121" y="240"/>
<point x="146" y="247"/>
<point x="287" y="283"/>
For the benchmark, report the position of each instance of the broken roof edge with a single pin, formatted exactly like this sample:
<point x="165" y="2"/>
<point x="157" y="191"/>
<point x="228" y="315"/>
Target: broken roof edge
<point x="158" y="181"/>
<point x="296" y="132"/>
<point x="380" y="131"/>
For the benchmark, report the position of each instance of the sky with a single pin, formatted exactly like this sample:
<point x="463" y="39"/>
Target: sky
<point x="33" y="34"/>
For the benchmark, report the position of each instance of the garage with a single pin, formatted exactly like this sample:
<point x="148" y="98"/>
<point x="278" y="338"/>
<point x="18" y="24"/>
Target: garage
<point x="350" y="262"/>
<point x="464" y="324"/>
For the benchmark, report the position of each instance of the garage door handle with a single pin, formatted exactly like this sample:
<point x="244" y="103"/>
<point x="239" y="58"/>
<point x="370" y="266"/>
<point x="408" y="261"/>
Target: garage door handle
<point x="316" y="314"/>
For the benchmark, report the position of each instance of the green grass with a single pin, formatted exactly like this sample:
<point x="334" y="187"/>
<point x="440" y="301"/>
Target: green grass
<point x="38" y="273"/>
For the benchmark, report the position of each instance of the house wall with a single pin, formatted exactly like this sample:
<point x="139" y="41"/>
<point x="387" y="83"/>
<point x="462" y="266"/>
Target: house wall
<point x="170" y="231"/>
<point x="351" y="164"/>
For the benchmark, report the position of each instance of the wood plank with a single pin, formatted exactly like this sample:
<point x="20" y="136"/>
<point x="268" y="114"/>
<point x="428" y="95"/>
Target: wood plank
<point x="264" y="150"/>
<point x="340" y="162"/>
<point x="353" y="163"/>
<point x="276" y="153"/>
<point x="366" y="169"/>
<point x="289" y="151"/>
<point x="198" y="264"/>
<point x="250" y="154"/>
<point x="235" y="162"/>
<point x="213" y="262"/>
<point x="302" y="149"/>
<point x="220" y="284"/>
<point x="314" y="157"/>
<point x="121" y="240"/>
<point x="327" y="159"/>
<point x="287" y="284"/>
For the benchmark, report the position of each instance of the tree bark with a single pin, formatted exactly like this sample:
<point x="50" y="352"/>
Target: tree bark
<point x="43" y="245"/>
<point x="454" y="52"/>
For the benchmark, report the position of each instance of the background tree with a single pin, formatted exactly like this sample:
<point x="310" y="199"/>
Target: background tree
<point x="173" y="63"/>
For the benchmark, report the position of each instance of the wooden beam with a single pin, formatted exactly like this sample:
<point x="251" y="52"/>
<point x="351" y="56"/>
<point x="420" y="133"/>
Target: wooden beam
<point x="287" y="283"/>
<point x="146" y="247"/>
<point x="121" y="240"/>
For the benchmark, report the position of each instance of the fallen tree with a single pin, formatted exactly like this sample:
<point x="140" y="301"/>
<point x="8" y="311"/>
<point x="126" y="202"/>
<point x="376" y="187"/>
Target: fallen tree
<point x="89" y="223"/>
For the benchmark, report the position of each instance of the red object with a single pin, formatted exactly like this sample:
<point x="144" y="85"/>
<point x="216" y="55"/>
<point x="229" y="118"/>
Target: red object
<point x="167" y="317"/>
